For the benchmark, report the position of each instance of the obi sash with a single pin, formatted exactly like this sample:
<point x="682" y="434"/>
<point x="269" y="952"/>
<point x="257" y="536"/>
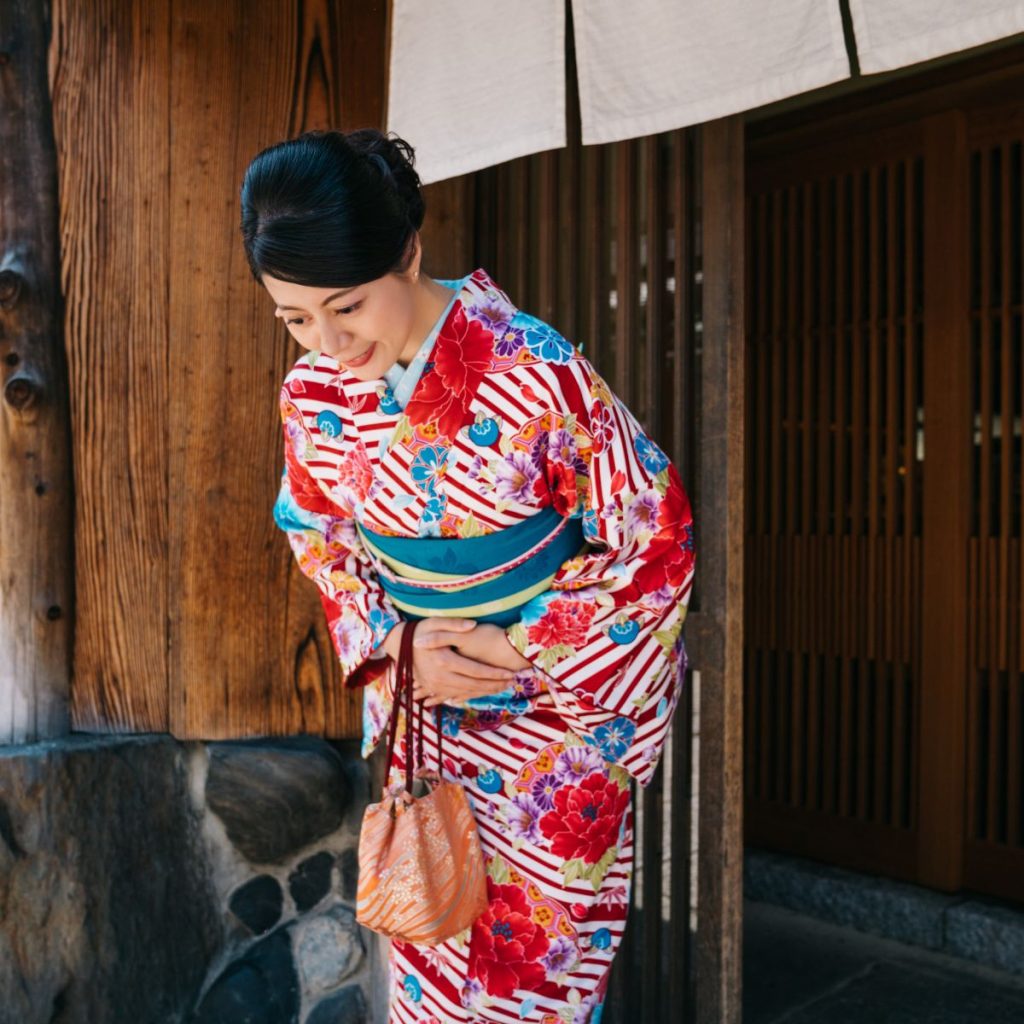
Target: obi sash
<point x="489" y="578"/>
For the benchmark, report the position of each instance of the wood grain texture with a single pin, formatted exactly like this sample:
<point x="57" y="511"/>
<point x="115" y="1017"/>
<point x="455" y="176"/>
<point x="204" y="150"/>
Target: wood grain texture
<point x="36" y="568"/>
<point x="720" y="509"/>
<point x="109" y="64"/>
<point x="194" y="618"/>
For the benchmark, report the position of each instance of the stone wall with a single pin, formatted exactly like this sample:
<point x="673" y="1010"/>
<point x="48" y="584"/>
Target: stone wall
<point x="149" y="881"/>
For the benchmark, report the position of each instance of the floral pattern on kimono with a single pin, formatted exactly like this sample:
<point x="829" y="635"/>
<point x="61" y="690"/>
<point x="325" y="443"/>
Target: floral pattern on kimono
<point x="507" y="417"/>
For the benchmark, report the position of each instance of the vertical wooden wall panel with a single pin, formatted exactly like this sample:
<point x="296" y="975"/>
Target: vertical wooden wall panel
<point x="36" y="493"/>
<point x="227" y="357"/>
<point x="193" y="617"/>
<point x="110" y="71"/>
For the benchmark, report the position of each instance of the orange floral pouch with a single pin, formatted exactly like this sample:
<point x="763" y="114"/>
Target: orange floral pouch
<point x="421" y="868"/>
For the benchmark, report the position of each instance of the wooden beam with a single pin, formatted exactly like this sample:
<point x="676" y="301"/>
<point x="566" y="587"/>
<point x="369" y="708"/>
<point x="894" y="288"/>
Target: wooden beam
<point x="36" y="519"/>
<point x="946" y="505"/>
<point x="718" y="520"/>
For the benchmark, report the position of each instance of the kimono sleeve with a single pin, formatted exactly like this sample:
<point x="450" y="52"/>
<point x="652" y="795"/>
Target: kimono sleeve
<point x="327" y="548"/>
<point x="607" y="633"/>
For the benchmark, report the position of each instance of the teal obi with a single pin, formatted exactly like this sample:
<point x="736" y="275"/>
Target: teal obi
<point x="489" y="578"/>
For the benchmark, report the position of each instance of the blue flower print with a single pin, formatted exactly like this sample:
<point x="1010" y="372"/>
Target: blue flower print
<point x="613" y="739"/>
<point x="290" y="516"/>
<point x="543" y="341"/>
<point x="451" y="719"/>
<point x="601" y="939"/>
<point x="653" y="458"/>
<point x="328" y="424"/>
<point x="548" y="345"/>
<point x="489" y="781"/>
<point x="427" y="466"/>
<point x="431" y="516"/>
<point x="412" y="987"/>
<point x="388" y="404"/>
<point x="381" y="622"/>
<point x="591" y="528"/>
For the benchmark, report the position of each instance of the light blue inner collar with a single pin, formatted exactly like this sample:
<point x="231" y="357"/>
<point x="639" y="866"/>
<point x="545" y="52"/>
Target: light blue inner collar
<point x="402" y="379"/>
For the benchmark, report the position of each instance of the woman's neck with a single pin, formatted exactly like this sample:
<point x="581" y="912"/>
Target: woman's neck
<point x="431" y="301"/>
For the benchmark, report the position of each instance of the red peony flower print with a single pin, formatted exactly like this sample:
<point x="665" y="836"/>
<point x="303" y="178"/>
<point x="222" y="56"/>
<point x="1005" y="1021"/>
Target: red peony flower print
<point x="664" y="560"/>
<point x="355" y="473"/>
<point x="304" y="488"/>
<point x="564" y="622"/>
<point x="585" y="819"/>
<point x="561" y="484"/>
<point x="506" y="944"/>
<point x="461" y="356"/>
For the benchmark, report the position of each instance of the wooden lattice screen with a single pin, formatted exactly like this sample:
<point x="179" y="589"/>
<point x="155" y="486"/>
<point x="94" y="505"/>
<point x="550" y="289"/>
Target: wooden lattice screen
<point x="884" y="712"/>
<point x="599" y="241"/>
<point x="995" y="821"/>
<point x="834" y="501"/>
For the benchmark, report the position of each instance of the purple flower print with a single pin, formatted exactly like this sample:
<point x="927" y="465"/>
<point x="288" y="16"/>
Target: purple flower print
<point x="642" y="513"/>
<point x="508" y="342"/>
<point x="475" y="467"/>
<point x="523" y="816"/>
<point x="575" y="763"/>
<point x="562" y="449"/>
<point x="561" y="956"/>
<point x="494" y="314"/>
<point x="471" y="993"/>
<point x="525" y="683"/>
<point x="515" y="476"/>
<point x="348" y="635"/>
<point x="543" y="790"/>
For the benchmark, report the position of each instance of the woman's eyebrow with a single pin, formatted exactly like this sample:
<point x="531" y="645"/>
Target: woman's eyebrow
<point x="330" y="298"/>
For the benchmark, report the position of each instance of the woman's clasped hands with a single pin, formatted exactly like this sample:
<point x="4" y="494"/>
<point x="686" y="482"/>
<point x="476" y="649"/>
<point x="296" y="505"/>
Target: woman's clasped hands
<point x="454" y="659"/>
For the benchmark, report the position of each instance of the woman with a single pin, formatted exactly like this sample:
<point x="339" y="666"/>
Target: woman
<point x="434" y="426"/>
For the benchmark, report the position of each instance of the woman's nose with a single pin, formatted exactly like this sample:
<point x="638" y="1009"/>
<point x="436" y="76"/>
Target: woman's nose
<point x="333" y="342"/>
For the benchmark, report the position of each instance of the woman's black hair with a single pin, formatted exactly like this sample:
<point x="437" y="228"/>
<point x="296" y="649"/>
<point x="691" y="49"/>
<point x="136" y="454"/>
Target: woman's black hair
<point x="331" y="209"/>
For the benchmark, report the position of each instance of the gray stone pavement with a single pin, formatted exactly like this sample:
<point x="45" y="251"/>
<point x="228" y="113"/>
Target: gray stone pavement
<point x="800" y="970"/>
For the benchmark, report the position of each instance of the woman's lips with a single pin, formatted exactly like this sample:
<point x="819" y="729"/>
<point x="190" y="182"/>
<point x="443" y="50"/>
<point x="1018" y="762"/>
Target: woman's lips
<point x="363" y="359"/>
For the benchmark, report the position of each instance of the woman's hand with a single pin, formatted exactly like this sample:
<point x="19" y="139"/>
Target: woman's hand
<point x="441" y="673"/>
<point x="485" y="643"/>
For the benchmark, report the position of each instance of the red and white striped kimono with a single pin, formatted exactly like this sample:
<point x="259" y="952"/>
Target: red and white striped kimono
<point x="505" y="418"/>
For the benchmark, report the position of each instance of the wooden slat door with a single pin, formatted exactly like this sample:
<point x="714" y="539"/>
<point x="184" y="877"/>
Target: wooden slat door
<point x="883" y="681"/>
<point x="834" y="515"/>
<point x="994" y="855"/>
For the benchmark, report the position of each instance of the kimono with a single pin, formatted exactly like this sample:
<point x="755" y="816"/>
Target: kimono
<point x="498" y="419"/>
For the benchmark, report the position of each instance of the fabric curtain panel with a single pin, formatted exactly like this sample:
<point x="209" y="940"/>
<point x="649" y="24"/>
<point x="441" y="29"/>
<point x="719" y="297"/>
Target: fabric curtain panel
<point x="472" y="85"/>
<point x="650" y="66"/>
<point x="894" y="33"/>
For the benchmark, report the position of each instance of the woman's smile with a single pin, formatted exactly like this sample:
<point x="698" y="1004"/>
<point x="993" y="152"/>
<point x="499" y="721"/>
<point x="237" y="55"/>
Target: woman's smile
<point x="361" y="360"/>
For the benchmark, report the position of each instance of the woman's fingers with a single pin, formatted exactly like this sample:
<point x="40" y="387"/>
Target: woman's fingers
<point x="436" y="622"/>
<point x="439" y="638"/>
<point x="475" y="669"/>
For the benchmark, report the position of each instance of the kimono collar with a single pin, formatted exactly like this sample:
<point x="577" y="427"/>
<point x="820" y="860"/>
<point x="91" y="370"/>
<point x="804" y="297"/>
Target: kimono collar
<point x="403" y="379"/>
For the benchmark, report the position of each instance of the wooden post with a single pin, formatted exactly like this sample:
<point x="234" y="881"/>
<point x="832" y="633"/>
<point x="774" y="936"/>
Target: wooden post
<point x="36" y="544"/>
<point x="946" y="505"/>
<point x="714" y="630"/>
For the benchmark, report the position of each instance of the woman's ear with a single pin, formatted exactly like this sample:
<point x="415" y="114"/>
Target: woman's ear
<point x="413" y="270"/>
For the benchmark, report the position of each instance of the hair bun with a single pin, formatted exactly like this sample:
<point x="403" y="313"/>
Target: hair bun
<point x="393" y="157"/>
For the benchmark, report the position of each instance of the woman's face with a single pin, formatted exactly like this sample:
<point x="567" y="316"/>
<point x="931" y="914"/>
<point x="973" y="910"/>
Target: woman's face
<point x="366" y="328"/>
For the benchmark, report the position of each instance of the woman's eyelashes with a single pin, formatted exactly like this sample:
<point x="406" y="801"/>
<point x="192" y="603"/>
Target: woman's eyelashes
<point x="345" y="310"/>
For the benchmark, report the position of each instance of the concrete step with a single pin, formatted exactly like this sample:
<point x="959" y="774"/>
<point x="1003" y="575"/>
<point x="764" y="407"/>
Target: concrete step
<point x="971" y="927"/>
<point x="800" y="970"/>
